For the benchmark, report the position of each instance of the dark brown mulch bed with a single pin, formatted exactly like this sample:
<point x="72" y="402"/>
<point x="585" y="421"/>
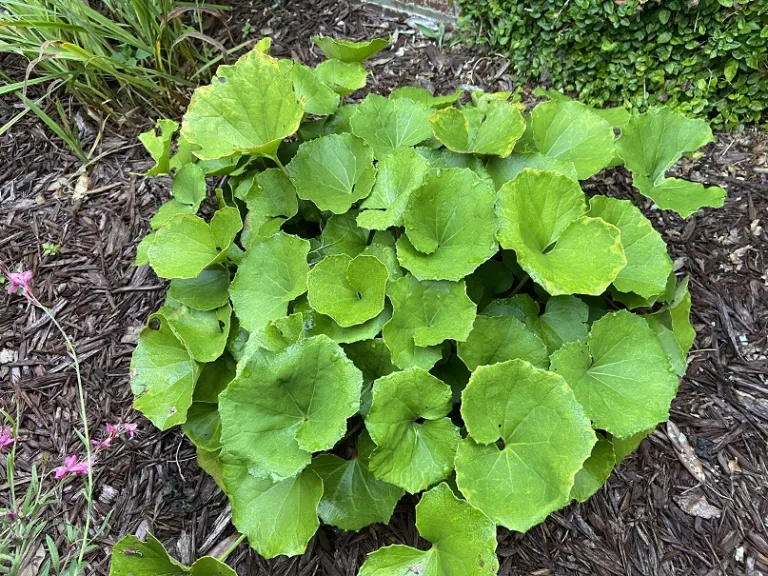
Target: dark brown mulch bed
<point x="635" y="525"/>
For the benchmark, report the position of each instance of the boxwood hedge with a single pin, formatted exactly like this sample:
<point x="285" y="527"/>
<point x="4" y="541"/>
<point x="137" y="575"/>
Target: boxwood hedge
<point x="701" y="56"/>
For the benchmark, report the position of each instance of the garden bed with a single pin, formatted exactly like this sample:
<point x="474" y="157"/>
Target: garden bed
<point x="637" y="524"/>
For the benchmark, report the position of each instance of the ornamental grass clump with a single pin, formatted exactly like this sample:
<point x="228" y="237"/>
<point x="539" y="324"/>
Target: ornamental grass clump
<point x="409" y="293"/>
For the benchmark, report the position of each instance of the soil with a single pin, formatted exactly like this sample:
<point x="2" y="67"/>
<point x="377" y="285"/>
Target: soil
<point x="647" y="520"/>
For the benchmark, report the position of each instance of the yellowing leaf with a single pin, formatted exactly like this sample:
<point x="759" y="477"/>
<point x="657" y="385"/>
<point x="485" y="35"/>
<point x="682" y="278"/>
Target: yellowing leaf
<point x="493" y="129"/>
<point x="249" y="108"/>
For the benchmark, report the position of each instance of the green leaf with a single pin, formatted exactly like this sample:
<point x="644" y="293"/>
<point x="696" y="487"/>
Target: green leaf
<point x="426" y="313"/>
<point x="450" y="226"/>
<point x="349" y="51"/>
<point x="444" y="158"/>
<point x="623" y="447"/>
<point x="203" y="426"/>
<point x="343" y="78"/>
<point x="319" y="98"/>
<point x="167" y="211"/>
<point x="493" y="129"/>
<point x="371" y="357"/>
<point x="207" y="291"/>
<point x="142" y="250"/>
<point x="353" y="498"/>
<point x="596" y="470"/>
<point x="211" y="464"/>
<point x="163" y="375"/>
<point x="383" y="247"/>
<point x="269" y="193"/>
<point x="189" y="185"/>
<point x="648" y="264"/>
<point x="545" y="439"/>
<point x="502" y="170"/>
<point x="279" y="518"/>
<point x="573" y="132"/>
<point x="340" y="236"/>
<point x="316" y="324"/>
<point x="187" y="245"/>
<point x="500" y="338"/>
<point x="390" y="125"/>
<point x="398" y="174"/>
<point x="134" y="557"/>
<point x="730" y="70"/>
<point x="349" y="290"/>
<point x="204" y="333"/>
<point x="333" y="172"/>
<point x="541" y="219"/>
<point x="214" y="378"/>
<point x="681" y="196"/>
<point x="249" y="108"/>
<point x="490" y="279"/>
<point x="283" y="406"/>
<point x="425" y="97"/>
<point x="273" y="273"/>
<point x="654" y="141"/>
<point x="676" y="316"/>
<point x="463" y="541"/>
<point x="621" y="375"/>
<point x="410" y="454"/>
<point x="159" y="146"/>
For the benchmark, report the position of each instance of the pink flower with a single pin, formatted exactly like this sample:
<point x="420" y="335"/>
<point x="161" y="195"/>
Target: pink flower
<point x="130" y="429"/>
<point x="6" y="438"/>
<point x="113" y="431"/>
<point x="20" y="280"/>
<point x="99" y="444"/>
<point x="72" y="465"/>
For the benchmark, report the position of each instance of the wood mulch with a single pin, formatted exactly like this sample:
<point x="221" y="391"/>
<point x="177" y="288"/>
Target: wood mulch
<point x="647" y="520"/>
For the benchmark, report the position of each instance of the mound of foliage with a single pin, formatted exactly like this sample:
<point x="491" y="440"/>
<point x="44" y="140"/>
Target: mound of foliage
<point x="699" y="56"/>
<point x="406" y="294"/>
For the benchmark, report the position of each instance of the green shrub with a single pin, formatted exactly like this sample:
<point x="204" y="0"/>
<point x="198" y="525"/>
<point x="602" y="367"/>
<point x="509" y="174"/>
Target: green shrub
<point x="405" y="294"/>
<point x="699" y="56"/>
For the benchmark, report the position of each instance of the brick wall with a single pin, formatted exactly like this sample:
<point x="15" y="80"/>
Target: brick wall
<point x="439" y="9"/>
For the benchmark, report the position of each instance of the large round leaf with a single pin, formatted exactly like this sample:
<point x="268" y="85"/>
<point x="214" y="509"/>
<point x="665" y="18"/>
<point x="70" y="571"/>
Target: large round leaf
<point x="316" y="324"/>
<point x="340" y="235"/>
<point x="573" y="132"/>
<point x="541" y="219"/>
<point x="283" y="406"/>
<point x="426" y="314"/>
<point x="333" y="172"/>
<point x="352" y="497"/>
<point x="349" y="290"/>
<point x="450" y="226"/>
<point x="502" y="170"/>
<point x="682" y="196"/>
<point x="500" y="338"/>
<point x="206" y="291"/>
<point x="348" y="50"/>
<point x="398" y="174"/>
<point x="390" y="125"/>
<point x="648" y="264"/>
<point x="163" y="375"/>
<point x="621" y="375"/>
<point x="249" y="108"/>
<point x="279" y="518"/>
<point x="492" y="129"/>
<point x="268" y="193"/>
<point x="463" y="541"/>
<point x="545" y="439"/>
<point x="273" y="273"/>
<point x="410" y="454"/>
<point x="424" y="96"/>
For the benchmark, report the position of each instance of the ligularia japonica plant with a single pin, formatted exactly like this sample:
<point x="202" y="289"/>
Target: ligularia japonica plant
<point x="406" y="294"/>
